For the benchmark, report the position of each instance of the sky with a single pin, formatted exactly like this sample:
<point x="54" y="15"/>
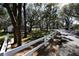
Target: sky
<point x="62" y="4"/>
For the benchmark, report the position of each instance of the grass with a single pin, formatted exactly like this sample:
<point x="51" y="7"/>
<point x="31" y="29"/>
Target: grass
<point x="27" y="38"/>
<point x="2" y="35"/>
<point x="35" y="34"/>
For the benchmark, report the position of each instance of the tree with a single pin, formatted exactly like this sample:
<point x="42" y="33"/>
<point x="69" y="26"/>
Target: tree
<point x="15" y="19"/>
<point x="4" y="18"/>
<point x="25" y="27"/>
<point x="50" y="14"/>
<point x="15" y="14"/>
<point x="31" y="14"/>
<point x="19" y="19"/>
<point x="67" y="16"/>
<point x="72" y="10"/>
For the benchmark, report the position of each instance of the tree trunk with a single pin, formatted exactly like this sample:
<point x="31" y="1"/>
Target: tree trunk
<point x="47" y="24"/>
<point x="15" y="15"/>
<point x="67" y="23"/>
<point x="25" y="27"/>
<point x="19" y="18"/>
<point x="30" y="29"/>
<point x="13" y="20"/>
<point x="15" y="36"/>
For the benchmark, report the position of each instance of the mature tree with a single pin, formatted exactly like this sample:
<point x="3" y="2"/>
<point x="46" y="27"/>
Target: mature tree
<point x="67" y="16"/>
<point x="4" y="18"/>
<point x="72" y="10"/>
<point x="50" y="14"/>
<point x="14" y="9"/>
<point x="25" y="26"/>
<point x="38" y="17"/>
<point x="19" y="20"/>
<point x="15" y="19"/>
<point x="31" y="14"/>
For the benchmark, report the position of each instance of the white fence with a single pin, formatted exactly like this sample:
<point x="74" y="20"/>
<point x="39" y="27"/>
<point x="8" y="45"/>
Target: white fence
<point x="4" y="46"/>
<point x="45" y="39"/>
<point x="30" y="53"/>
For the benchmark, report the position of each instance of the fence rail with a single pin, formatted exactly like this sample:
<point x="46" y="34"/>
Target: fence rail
<point x="30" y="53"/>
<point x="15" y="50"/>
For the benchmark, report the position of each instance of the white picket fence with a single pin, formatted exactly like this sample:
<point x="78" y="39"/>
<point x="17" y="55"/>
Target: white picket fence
<point x="45" y="39"/>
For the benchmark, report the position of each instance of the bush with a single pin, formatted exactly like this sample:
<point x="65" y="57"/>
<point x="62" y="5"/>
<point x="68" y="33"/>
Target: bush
<point x="76" y="27"/>
<point x="37" y="34"/>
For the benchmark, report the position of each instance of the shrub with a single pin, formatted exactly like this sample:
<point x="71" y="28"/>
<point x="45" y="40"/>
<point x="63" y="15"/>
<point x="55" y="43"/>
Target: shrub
<point x="37" y="34"/>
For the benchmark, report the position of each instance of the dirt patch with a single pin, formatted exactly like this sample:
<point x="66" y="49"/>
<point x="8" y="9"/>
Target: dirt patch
<point x="22" y="52"/>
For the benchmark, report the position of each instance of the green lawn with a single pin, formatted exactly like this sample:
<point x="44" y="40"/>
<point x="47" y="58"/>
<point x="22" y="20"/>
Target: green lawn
<point x="2" y="35"/>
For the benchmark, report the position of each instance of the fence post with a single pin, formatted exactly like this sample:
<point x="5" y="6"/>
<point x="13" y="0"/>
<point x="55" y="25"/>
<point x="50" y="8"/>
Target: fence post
<point x="45" y="40"/>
